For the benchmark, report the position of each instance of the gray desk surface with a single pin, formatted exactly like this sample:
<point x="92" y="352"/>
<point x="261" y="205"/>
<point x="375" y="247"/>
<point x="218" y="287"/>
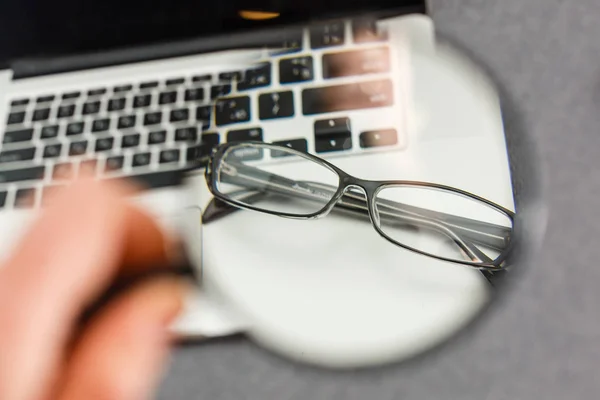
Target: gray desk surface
<point x="544" y="340"/>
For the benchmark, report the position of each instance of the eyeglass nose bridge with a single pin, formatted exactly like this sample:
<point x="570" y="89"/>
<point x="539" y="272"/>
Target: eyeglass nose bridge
<point x="365" y="187"/>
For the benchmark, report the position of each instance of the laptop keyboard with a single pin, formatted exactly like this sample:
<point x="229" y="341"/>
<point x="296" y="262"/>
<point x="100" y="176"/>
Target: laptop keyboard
<point x="148" y="129"/>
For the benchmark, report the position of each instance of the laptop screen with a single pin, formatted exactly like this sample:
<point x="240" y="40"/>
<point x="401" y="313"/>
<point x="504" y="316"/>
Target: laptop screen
<point x="40" y="29"/>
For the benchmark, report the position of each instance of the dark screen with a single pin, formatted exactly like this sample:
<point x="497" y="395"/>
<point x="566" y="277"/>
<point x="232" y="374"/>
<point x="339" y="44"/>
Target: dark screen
<point x="50" y="28"/>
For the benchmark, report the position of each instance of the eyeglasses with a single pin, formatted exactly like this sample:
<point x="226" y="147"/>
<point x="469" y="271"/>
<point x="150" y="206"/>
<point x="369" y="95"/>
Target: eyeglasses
<point x="434" y="220"/>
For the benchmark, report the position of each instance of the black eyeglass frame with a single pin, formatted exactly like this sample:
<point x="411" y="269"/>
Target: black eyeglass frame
<point x="370" y="187"/>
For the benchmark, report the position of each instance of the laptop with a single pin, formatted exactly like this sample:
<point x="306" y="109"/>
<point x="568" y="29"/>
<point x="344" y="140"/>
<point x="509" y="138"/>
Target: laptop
<point x="134" y="91"/>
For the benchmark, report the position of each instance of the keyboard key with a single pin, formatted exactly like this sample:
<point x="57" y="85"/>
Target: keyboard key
<point x="289" y="41"/>
<point x="352" y="96"/>
<point x="242" y="135"/>
<point x="210" y="139"/>
<point x="126" y="122"/>
<point x="194" y="94"/>
<point x="167" y="156"/>
<point x="332" y="126"/>
<point x="276" y="105"/>
<point x="230" y="76"/>
<point x="182" y="114"/>
<point x="232" y="110"/>
<point x="2" y="199"/>
<point x="45" y="99"/>
<point x="21" y="135"/>
<point x="175" y="82"/>
<point x="52" y="150"/>
<point x="256" y="77"/>
<point x="157" y="137"/>
<point x="117" y="104"/>
<point x="153" y="118"/>
<point x="19" y="102"/>
<point x="297" y="69"/>
<point x="10" y="156"/>
<point x="296" y="144"/>
<point x="202" y="78"/>
<point x="63" y="171"/>
<point x="122" y="88"/>
<point x="204" y="115"/>
<point x="247" y="153"/>
<point x="25" y="198"/>
<point x="78" y="148"/>
<point x="48" y="132"/>
<point x="71" y="95"/>
<point x="96" y="92"/>
<point x="104" y="144"/>
<point x="66" y="111"/>
<point x="365" y="30"/>
<point x="156" y="180"/>
<point x="26" y="174"/>
<point x="167" y="98"/>
<point x="189" y="134"/>
<point x="101" y="125"/>
<point x="149" y="85"/>
<point x="356" y="62"/>
<point x="142" y="101"/>
<point x="141" y="159"/>
<point x="328" y="35"/>
<point x="382" y="137"/>
<point x="332" y="134"/>
<point x="130" y="141"/>
<point x="324" y="144"/>
<point x="16" y="118"/>
<point x="91" y="108"/>
<point x="75" y="128"/>
<point x="41" y="115"/>
<point x="114" y="163"/>
<point x="217" y="91"/>
<point x="88" y="166"/>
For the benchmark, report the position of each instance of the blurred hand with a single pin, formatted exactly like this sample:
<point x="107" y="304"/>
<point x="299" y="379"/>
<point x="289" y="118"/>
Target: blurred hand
<point x="87" y="237"/>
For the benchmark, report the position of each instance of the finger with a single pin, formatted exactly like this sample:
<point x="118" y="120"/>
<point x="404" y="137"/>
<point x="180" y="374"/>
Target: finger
<point x="121" y="354"/>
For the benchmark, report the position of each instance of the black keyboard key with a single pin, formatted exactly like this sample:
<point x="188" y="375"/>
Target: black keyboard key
<point x="194" y="94"/>
<point x="327" y="35"/>
<point x="189" y="134"/>
<point x="41" y="114"/>
<point x="142" y="101"/>
<point x="365" y="30"/>
<point x="130" y="140"/>
<point x="153" y="118"/>
<point x="21" y="135"/>
<point x="114" y="163"/>
<point x="78" y="148"/>
<point x="156" y="180"/>
<point x="19" y="102"/>
<point x="2" y="199"/>
<point x="231" y="76"/>
<point x="382" y="137"/>
<point x="75" y="128"/>
<point x="324" y="144"/>
<point x="256" y="78"/>
<point x="232" y="110"/>
<point x="117" y="104"/>
<point x="71" y="95"/>
<point x="167" y="98"/>
<point x="97" y="92"/>
<point x="25" y="198"/>
<point x="332" y="126"/>
<point x="149" y="85"/>
<point x="168" y="156"/>
<point x="126" y="122"/>
<point x="45" y="99"/>
<point x="52" y="150"/>
<point x="157" y="137"/>
<point x="202" y="78"/>
<point x="141" y="159"/>
<point x="175" y="82"/>
<point x="210" y="139"/>
<point x="63" y="171"/>
<point x="289" y="41"/>
<point x="180" y="115"/>
<point x="356" y="62"/>
<point x="10" y="156"/>
<point x="101" y="125"/>
<point x="66" y="111"/>
<point x="352" y="96"/>
<point x="204" y="113"/>
<point x="296" y="144"/>
<point x="91" y="108"/>
<point x="122" y="88"/>
<point x="243" y="135"/>
<point x="49" y="132"/>
<point x="18" y="175"/>
<point x="276" y="105"/>
<point x="104" y="144"/>
<point x="334" y="134"/>
<point x="16" y="118"/>
<point x="217" y="91"/>
<point x="297" y="69"/>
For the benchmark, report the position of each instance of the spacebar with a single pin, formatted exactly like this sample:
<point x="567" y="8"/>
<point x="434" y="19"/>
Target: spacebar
<point x="352" y="96"/>
<point x="156" y="180"/>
